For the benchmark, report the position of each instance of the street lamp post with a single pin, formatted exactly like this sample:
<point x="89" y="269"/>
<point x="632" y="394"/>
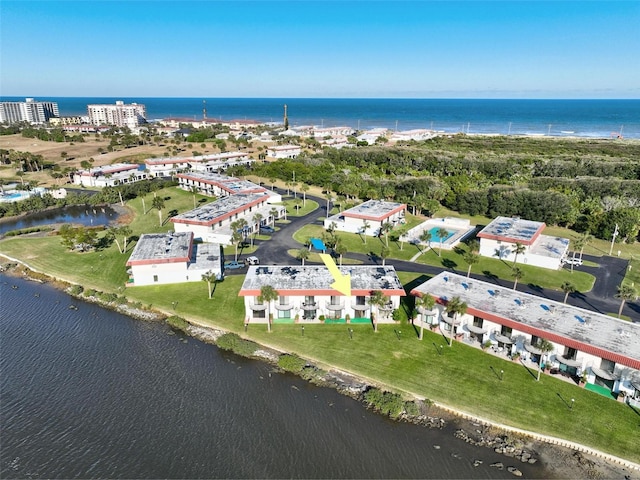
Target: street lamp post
<point x="501" y="374"/>
<point x="572" y="402"/>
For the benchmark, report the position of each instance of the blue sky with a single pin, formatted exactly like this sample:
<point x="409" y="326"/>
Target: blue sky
<point x="415" y="49"/>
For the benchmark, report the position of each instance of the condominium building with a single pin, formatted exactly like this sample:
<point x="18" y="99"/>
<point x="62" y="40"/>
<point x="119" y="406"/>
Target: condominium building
<point x="28" y="111"/>
<point x="305" y="294"/>
<point x="119" y="115"/>
<point x="217" y="162"/>
<point x="368" y="217"/>
<point x="604" y="348"/>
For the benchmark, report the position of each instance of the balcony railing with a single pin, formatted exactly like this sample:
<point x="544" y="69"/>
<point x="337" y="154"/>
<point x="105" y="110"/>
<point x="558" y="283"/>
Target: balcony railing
<point x="335" y="306"/>
<point x="310" y="306"/>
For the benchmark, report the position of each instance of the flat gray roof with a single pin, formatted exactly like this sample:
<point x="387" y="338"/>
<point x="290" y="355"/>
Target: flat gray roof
<point x="512" y="229"/>
<point x="375" y="209"/>
<point x="211" y="212"/>
<point x="316" y="279"/>
<point x="161" y="246"/>
<point x="209" y="177"/>
<point x="206" y="256"/>
<point x="575" y="323"/>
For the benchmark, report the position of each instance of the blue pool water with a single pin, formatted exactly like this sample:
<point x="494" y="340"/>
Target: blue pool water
<point x="434" y="235"/>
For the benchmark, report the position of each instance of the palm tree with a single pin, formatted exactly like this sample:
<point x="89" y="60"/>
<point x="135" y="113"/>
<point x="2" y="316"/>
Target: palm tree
<point x="625" y="292"/>
<point x="470" y="258"/>
<point x="474" y="245"/>
<point x="585" y="240"/>
<point x="194" y="190"/>
<point x="425" y="303"/>
<point x="158" y="203"/>
<point x="456" y="307"/>
<point x="257" y="220"/>
<point x="304" y="188"/>
<point x="517" y="274"/>
<point x="365" y="226"/>
<point x="340" y="249"/>
<point x="386" y="228"/>
<point x="425" y="237"/>
<point x="274" y="213"/>
<point x="329" y="197"/>
<point x="209" y="277"/>
<point x="268" y="294"/>
<point x="384" y="254"/>
<point x="302" y="254"/>
<point x="378" y="299"/>
<point x="442" y="234"/>
<point x="567" y="288"/>
<point x="519" y="249"/>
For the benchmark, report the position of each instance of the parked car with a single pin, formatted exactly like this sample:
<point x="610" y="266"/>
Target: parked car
<point x="572" y="261"/>
<point x="233" y="265"/>
<point x="267" y="229"/>
<point x="252" y="260"/>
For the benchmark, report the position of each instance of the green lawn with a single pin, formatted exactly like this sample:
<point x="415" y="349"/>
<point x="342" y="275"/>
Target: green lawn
<point x="305" y="209"/>
<point x="453" y="259"/>
<point x="315" y="257"/>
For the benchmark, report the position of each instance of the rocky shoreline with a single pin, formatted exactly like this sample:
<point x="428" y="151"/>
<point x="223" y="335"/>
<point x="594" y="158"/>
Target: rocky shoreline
<point x="557" y="461"/>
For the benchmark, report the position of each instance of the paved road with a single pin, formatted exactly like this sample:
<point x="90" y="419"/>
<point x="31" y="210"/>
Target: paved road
<point x="601" y="298"/>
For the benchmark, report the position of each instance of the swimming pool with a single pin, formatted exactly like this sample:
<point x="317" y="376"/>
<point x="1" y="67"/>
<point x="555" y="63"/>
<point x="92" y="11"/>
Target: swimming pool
<point x="14" y="196"/>
<point x="436" y="238"/>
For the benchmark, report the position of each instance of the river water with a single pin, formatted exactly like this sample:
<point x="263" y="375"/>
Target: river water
<point x="90" y="393"/>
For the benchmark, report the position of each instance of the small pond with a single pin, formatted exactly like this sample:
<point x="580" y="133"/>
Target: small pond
<point x="77" y="214"/>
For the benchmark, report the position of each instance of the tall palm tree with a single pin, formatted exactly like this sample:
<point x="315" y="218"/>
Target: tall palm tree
<point x="442" y="234"/>
<point x="567" y="288"/>
<point x="426" y="303"/>
<point x="516" y="274"/>
<point x="385" y="228"/>
<point x="304" y="188"/>
<point x="456" y="307"/>
<point x="365" y="226"/>
<point x="384" y="254"/>
<point x="340" y="249"/>
<point x="257" y="220"/>
<point x="470" y="258"/>
<point x="302" y="254"/>
<point x="158" y="203"/>
<point x="585" y="239"/>
<point x="274" y="213"/>
<point x="518" y="249"/>
<point x="209" y="277"/>
<point x="329" y="197"/>
<point x="378" y="299"/>
<point x="425" y="237"/>
<point x="268" y="294"/>
<point x="625" y="292"/>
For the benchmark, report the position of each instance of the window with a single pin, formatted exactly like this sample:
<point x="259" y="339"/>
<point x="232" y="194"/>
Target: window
<point x="155" y="278"/>
<point x="283" y="300"/>
<point x="284" y="313"/>
<point x="258" y="301"/>
<point x="335" y="300"/>
<point x="360" y="300"/>
<point x="607" y="365"/>
<point x="335" y="314"/>
<point x="570" y="353"/>
<point x="309" y="300"/>
<point x="259" y="314"/>
<point x="506" y="331"/>
<point x="477" y="322"/>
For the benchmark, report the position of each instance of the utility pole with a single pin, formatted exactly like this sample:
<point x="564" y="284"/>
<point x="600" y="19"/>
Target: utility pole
<point x="615" y="234"/>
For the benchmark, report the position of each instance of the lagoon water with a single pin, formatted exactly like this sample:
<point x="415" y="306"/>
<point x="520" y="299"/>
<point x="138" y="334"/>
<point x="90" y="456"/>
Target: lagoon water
<point x="75" y="214"/>
<point x="90" y="393"/>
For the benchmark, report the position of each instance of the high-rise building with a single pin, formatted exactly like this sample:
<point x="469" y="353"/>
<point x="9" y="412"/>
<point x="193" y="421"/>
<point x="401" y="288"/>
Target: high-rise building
<point x="119" y="115"/>
<point x="28" y="111"/>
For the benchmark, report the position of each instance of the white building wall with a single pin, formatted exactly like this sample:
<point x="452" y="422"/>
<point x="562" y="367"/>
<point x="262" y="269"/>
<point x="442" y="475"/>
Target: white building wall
<point x="488" y="248"/>
<point x="165" y="272"/>
<point x="349" y="307"/>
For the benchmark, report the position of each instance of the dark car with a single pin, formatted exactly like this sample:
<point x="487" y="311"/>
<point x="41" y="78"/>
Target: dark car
<point x="267" y="229"/>
<point x="233" y="265"/>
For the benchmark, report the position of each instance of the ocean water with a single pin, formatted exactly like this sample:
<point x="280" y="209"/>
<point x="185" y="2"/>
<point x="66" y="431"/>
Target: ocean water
<point x="88" y="393"/>
<point x="560" y="118"/>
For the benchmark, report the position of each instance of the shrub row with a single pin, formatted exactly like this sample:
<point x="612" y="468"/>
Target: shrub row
<point x="239" y="346"/>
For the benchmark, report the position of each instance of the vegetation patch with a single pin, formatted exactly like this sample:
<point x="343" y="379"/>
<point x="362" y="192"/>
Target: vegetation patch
<point x="177" y="323"/>
<point x="291" y="363"/>
<point x="237" y="345"/>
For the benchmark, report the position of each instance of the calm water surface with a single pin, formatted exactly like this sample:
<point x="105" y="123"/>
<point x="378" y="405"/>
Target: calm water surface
<point x="78" y="214"/>
<point x="89" y="393"/>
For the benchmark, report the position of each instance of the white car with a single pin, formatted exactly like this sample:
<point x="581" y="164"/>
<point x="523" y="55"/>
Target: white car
<point x="252" y="260"/>
<point x="572" y="261"/>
